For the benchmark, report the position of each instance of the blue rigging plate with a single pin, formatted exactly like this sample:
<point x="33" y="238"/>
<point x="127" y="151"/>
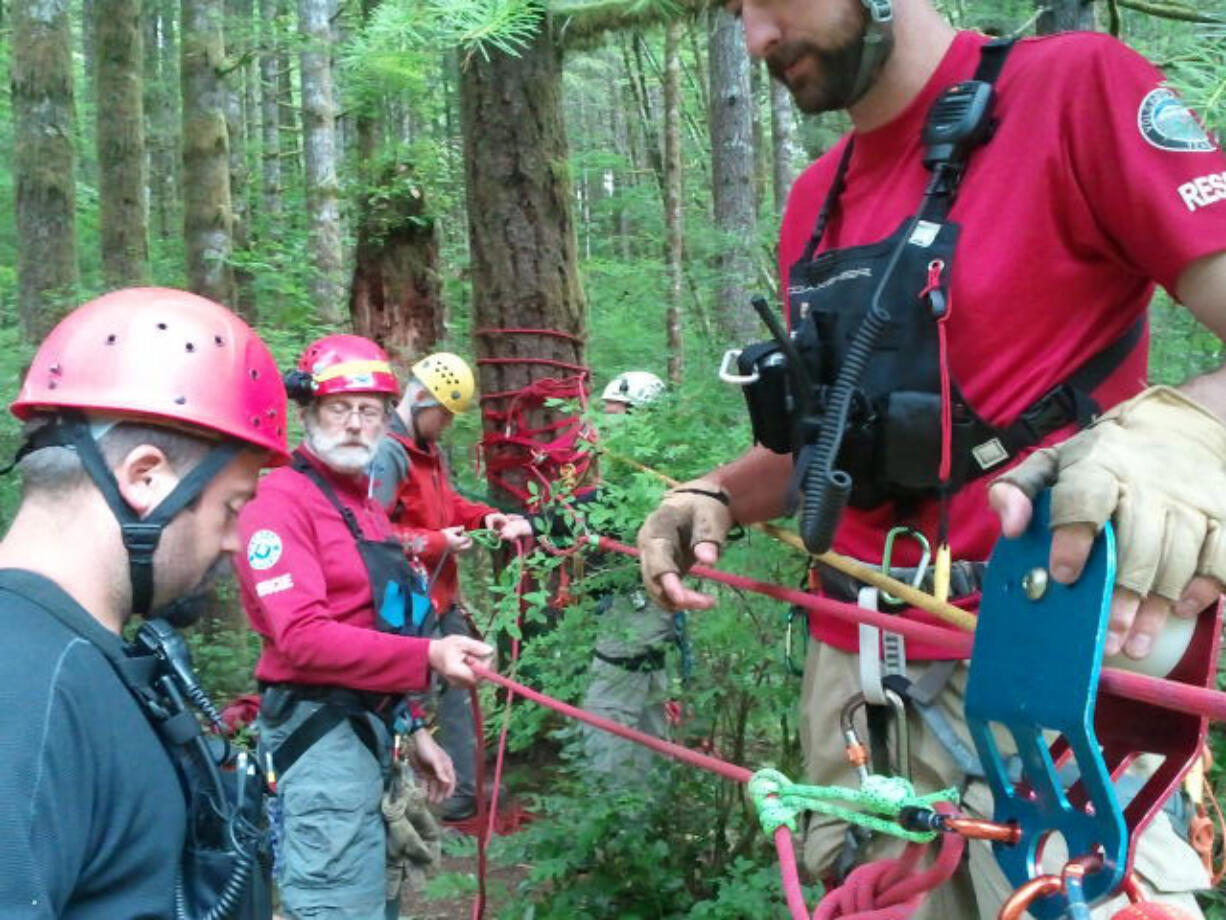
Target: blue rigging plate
<point x="1034" y="670"/>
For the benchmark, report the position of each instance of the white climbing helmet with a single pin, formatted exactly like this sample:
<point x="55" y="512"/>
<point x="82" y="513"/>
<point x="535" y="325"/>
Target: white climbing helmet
<point x="635" y="388"/>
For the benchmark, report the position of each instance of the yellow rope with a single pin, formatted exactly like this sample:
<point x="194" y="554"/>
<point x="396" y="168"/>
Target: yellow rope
<point x="921" y="600"/>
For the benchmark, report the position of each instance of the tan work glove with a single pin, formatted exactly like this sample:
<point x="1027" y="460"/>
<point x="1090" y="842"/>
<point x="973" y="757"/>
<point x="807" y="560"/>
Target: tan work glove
<point x="413" y="837"/>
<point x="1157" y="464"/>
<point x="692" y="513"/>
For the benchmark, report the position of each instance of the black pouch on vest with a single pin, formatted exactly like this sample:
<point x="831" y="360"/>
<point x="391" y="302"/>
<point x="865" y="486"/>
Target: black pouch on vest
<point x="227" y="857"/>
<point x="768" y="397"/>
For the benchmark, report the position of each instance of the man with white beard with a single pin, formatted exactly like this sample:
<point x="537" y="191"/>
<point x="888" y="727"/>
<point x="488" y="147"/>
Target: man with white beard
<point x="332" y="596"/>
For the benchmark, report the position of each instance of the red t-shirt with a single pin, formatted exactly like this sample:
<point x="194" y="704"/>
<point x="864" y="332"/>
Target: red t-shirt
<point x="305" y="589"/>
<point x="1096" y="185"/>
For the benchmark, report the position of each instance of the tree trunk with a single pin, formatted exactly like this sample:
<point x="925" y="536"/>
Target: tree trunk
<point x="162" y="115"/>
<point x="319" y="157"/>
<point x="673" y="196"/>
<point x="238" y="19"/>
<point x="287" y="110"/>
<point x="761" y="156"/>
<point x="270" y="142"/>
<point x="395" y="294"/>
<point x="783" y="144"/>
<point x="41" y="74"/>
<point x="521" y="231"/>
<point x="206" y="155"/>
<point x="732" y="169"/>
<point x="123" y="212"/>
<point x="1064" y="16"/>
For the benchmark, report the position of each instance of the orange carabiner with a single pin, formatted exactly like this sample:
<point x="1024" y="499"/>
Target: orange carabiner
<point x="1020" y="900"/>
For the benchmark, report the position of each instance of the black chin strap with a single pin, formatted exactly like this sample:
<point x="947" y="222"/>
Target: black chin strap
<point x="140" y="535"/>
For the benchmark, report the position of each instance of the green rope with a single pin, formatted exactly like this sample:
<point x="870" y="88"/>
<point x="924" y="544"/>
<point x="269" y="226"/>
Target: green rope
<point x="875" y="804"/>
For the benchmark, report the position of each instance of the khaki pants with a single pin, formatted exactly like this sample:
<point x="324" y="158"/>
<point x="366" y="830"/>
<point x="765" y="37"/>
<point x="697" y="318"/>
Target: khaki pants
<point x="1169" y="868"/>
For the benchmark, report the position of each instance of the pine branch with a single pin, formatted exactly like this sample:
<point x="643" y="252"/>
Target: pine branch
<point x="580" y="22"/>
<point x="1165" y="10"/>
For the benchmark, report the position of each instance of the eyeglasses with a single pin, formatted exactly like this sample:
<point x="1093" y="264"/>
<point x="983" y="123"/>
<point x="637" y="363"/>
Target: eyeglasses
<point x="341" y="411"/>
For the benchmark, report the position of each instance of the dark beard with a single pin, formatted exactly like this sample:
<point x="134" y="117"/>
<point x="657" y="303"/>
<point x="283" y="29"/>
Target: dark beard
<point x="833" y="83"/>
<point x="187" y="609"/>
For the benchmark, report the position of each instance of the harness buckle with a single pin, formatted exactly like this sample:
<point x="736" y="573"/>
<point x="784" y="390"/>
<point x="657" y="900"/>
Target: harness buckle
<point x="140" y="538"/>
<point x="1053" y="410"/>
<point x="881" y="11"/>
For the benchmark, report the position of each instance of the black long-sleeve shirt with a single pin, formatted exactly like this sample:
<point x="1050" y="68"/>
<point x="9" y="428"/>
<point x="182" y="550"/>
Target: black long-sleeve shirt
<point x="92" y="814"/>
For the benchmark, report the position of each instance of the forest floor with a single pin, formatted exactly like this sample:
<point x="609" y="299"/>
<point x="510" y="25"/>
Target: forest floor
<point x="524" y="773"/>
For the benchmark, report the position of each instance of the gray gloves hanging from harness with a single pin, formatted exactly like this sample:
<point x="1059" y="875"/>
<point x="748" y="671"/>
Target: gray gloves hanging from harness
<point x="413" y="848"/>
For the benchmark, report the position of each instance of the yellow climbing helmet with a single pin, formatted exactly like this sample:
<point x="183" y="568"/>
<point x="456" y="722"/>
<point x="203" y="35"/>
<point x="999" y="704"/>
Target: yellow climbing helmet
<point x="449" y="380"/>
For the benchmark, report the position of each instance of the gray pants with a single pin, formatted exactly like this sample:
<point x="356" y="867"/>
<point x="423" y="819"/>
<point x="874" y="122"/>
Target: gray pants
<point x="332" y="843"/>
<point x="457" y="732"/>
<point x="630" y="628"/>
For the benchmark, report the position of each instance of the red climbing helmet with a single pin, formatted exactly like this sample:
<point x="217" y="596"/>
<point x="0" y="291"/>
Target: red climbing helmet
<point x="161" y="354"/>
<point x="342" y="364"/>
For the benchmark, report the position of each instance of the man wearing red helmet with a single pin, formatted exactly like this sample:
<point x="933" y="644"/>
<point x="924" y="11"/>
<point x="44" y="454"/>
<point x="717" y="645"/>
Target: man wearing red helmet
<point x="148" y="413"/>
<point x="329" y="590"/>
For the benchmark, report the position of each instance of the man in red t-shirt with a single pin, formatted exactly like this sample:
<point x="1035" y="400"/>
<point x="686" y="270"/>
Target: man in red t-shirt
<point x="1097" y="185"/>
<point x="325" y="584"/>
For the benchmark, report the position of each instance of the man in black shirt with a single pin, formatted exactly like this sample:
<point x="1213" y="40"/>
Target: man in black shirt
<point x="149" y="414"/>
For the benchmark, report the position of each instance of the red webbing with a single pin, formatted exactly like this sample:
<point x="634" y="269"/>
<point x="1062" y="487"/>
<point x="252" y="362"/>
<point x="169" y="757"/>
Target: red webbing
<point x="1170" y="694"/>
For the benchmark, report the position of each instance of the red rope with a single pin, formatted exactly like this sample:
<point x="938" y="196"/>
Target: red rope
<point x="892" y="889"/>
<point x="486" y="823"/>
<point x="948" y="639"/>
<point x="543" y="362"/>
<point x="1169" y="694"/>
<point x="549" y="453"/>
<point x="890" y="884"/>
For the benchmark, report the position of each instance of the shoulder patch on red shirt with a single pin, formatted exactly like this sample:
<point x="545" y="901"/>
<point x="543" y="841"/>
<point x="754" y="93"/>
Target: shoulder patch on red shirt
<point x="263" y="550"/>
<point x="1168" y="124"/>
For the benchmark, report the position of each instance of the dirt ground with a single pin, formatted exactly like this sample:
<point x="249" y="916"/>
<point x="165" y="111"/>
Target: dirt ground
<point x="501" y="882"/>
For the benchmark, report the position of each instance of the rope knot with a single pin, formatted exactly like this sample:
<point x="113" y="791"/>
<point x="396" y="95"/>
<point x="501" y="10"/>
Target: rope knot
<point x="766" y="789"/>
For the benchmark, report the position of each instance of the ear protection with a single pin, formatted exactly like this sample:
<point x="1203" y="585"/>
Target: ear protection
<point x="299" y="386"/>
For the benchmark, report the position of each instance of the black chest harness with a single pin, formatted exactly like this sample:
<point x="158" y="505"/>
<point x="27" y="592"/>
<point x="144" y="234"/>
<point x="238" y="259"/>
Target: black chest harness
<point x="860" y="391"/>
<point x="399" y="591"/>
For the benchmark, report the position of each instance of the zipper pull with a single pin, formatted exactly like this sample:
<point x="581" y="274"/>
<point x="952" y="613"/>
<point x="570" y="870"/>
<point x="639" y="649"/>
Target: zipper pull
<point x="937" y="301"/>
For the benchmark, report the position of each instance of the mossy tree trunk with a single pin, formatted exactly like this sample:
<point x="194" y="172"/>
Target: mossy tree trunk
<point x="395" y="298"/>
<point x="41" y="75"/>
<point x="238" y="76"/>
<point x="161" y="101"/>
<point x="732" y="175"/>
<point x="673" y="189"/>
<point x="319" y="157"/>
<point x="270" y="141"/>
<point x="120" y="108"/>
<point x="1064" y="16"/>
<point x="207" y="216"/>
